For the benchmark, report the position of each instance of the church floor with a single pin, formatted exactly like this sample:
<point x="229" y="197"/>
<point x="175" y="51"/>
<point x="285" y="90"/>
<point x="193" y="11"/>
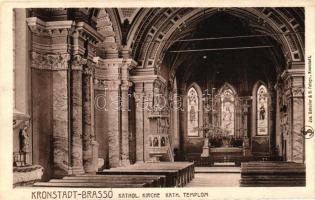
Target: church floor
<point x="216" y="177"/>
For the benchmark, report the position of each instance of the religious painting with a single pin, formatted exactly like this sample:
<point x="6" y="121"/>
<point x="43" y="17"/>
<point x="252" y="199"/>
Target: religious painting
<point x="192" y="112"/>
<point x="262" y="110"/>
<point x="227" y="111"/>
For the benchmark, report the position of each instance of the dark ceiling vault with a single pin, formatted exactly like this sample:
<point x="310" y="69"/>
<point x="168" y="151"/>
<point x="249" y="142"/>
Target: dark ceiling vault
<point x="240" y="67"/>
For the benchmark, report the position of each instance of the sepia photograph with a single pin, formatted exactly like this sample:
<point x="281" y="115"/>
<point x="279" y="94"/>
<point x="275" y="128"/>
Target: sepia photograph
<point x="158" y="97"/>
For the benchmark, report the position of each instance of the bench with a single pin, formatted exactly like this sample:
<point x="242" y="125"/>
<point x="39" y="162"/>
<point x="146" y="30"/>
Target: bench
<point x="91" y="185"/>
<point x="272" y="173"/>
<point x="171" y="175"/>
<point x="109" y="181"/>
<point x="178" y="173"/>
<point x="159" y="180"/>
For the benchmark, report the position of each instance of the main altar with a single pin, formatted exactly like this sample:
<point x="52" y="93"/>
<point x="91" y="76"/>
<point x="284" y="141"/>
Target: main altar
<point x="225" y="128"/>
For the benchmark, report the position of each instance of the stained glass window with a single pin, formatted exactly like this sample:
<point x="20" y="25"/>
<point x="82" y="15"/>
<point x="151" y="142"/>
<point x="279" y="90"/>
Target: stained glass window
<point x="192" y="112"/>
<point x="262" y="110"/>
<point x="227" y="111"/>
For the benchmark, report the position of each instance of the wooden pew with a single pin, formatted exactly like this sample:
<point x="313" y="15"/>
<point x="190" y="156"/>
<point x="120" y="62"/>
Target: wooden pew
<point x="185" y="170"/>
<point x="171" y="175"/>
<point x="272" y="174"/>
<point x="149" y="182"/>
<point x="91" y="185"/>
<point x="159" y="180"/>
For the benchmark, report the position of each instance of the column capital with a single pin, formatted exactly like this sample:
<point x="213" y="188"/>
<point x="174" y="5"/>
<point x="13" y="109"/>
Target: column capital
<point x="77" y="62"/>
<point x="99" y="84"/>
<point x="125" y="85"/>
<point x="89" y="68"/>
<point x="50" y="61"/>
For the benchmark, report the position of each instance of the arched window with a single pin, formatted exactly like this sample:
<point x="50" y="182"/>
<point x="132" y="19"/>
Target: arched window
<point x="192" y="112"/>
<point x="227" y="98"/>
<point x="262" y="110"/>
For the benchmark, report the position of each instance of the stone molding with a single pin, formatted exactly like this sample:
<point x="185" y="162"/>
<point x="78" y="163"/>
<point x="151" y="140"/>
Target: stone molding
<point x="50" y="61"/>
<point x="88" y="33"/>
<point x="54" y="28"/>
<point x="147" y="78"/>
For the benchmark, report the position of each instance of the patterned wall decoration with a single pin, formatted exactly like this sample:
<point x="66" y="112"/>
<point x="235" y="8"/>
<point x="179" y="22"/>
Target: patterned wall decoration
<point x="262" y="111"/>
<point x="192" y="112"/>
<point x="228" y="111"/>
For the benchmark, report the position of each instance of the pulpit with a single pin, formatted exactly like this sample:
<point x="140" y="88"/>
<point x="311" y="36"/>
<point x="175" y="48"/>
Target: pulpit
<point x="159" y="142"/>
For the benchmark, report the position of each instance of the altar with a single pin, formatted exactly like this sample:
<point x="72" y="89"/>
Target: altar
<point x="226" y="154"/>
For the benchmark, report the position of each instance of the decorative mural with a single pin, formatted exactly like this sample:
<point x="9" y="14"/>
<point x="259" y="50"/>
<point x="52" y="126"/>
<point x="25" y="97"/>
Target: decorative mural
<point x="262" y="111"/>
<point x="228" y="111"/>
<point x="192" y="112"/>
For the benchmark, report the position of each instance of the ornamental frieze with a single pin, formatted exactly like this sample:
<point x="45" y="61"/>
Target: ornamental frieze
<point x="50" y="61"/>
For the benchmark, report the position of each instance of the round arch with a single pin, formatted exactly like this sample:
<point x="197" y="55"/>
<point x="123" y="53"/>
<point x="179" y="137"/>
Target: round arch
<point x="160" y="26"/>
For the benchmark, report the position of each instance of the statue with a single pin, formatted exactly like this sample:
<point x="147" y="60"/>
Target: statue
<point x="24" y="143"/>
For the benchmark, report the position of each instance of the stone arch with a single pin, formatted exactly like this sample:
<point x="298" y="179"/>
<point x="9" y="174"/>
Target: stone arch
<point x="107" y="24"/>
<point x="167" y="22"/>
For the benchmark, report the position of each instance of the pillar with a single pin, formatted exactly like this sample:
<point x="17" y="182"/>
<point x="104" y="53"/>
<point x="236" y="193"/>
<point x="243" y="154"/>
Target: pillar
<point x="89" y="160"/>
<point x="112" y="95"/>
<point x="114" y="146"/>
<point x="139" y="122"/>
<point x="76" y="114"/>
<point x="294" y="86"/>
<point x="50" y="73"/>
<point x="124" y="124"/>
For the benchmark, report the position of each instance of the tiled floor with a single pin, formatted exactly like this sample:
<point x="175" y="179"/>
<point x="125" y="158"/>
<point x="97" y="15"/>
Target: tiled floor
<point x="216" y="177"/>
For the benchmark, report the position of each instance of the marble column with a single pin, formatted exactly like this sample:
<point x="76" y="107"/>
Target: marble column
<point x="114" y="146"/>
<point x="60" y="122"/>
<point x="88" y="135"/>
<point x="139" y="122"/>
<point x="76" y="114"/>
<point x="124" y="124"/>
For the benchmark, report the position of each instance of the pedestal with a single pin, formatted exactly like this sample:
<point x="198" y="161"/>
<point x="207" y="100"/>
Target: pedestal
<point x="205" y="148"/>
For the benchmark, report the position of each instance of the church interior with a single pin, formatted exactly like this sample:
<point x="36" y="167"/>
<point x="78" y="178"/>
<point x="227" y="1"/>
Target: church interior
<point x="152" y="95"/>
